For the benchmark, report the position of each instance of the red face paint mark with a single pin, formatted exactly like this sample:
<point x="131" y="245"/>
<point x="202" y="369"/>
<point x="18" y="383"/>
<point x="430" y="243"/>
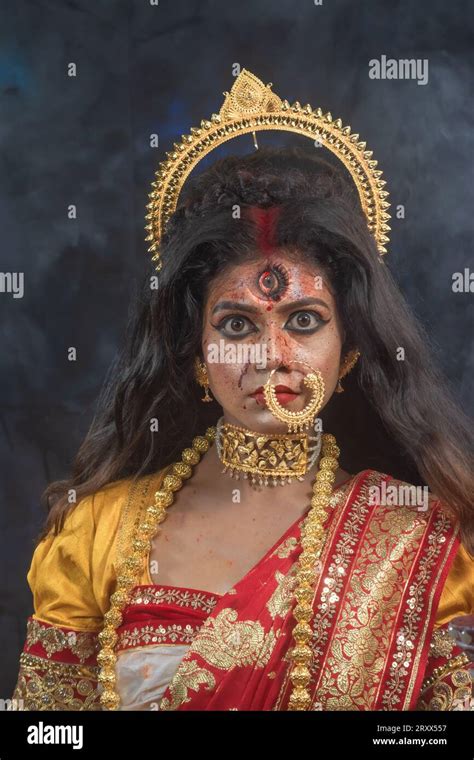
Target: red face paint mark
<point x="244" y="372"/>
<point x="265" y="220"/>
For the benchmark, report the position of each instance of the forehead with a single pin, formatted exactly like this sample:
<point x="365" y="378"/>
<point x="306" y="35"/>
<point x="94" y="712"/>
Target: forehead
<point x="291" y="277"/>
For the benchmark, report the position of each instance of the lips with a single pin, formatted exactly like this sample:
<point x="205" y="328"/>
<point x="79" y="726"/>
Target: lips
<point x="283" y="393"/>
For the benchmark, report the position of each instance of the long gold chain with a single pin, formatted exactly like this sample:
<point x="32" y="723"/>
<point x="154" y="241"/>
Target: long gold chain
<point x="312" y="543"/>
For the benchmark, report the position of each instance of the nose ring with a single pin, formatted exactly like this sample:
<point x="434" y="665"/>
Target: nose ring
<point x="297" y="421"/>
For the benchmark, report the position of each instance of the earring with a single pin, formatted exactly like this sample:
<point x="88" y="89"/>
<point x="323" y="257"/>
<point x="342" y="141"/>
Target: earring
<point x="349" y="362"/>
<point x="202" y="378"/>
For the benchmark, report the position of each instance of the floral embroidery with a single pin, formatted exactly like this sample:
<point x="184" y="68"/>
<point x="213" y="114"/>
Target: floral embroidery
<point x="380" y="565"/>
<point x="452" y="689"/>
<point x="286" y="548"/>
<point x="412" y="618"/>
<point x="156" y="634"/>
<point x="442" y="643"/>
<point x="226" y="642"/>
<point x="197" y="600"/>
<point x="282" y="598"/>
<point x="223" y="642"/>
<point x="82" y="644"/>
<point x="48" y="685"/>
<point x="188" y="676"/>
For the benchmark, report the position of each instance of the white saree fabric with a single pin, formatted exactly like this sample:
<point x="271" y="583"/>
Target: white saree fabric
<point x="143" y="674"/>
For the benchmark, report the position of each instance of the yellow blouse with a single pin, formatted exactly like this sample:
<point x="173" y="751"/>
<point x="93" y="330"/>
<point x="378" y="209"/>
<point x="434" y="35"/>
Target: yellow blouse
<point x="72" y="575"/>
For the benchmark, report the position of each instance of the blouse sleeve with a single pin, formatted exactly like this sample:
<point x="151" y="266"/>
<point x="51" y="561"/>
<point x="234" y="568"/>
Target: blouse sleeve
<point x="71" y="578"/>
<point x="448" y="679"/>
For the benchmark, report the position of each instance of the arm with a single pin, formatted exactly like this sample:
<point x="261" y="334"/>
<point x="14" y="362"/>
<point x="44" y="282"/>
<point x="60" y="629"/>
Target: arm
<point x="58" y="666"/>
<point x="448" y="683"/>
<point x="448" y="678"/>
<point x="58" y="669"/>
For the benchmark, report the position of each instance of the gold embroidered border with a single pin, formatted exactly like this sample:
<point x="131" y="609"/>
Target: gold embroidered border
<point x="54" y="639"/>
<point x="442" y="670"/>
<point x="351" y="661"/>
<point x="182" y="597"/>
<point x="148" y="635"/>
<point x="224" y="642"/>
<point x="442" y="643"/>
<point x="411" y="617"/>
<point x="450" y="687"/>
<point x="130" y="516"/>
<point x="48" y="685"/>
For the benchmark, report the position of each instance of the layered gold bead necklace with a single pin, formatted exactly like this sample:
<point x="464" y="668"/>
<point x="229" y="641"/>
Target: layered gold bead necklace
<point x="312" y="542"/>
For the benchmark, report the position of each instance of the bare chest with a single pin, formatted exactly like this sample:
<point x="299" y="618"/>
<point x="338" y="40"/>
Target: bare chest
<point x="210" y="548"/>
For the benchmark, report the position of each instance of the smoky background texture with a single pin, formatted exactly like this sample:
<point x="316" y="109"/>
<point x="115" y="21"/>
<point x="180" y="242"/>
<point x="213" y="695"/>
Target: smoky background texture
<point x="85" y="140"/>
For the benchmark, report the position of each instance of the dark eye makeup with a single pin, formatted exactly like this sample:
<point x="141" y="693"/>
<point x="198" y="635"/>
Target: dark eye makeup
<point x="303" y="322"/>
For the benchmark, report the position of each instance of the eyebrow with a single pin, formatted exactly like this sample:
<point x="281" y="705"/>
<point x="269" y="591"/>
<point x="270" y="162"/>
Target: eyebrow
<point x="223" y="305"/>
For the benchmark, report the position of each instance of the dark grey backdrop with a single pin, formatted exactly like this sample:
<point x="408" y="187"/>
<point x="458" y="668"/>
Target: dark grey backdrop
<point x="144" y="69"/>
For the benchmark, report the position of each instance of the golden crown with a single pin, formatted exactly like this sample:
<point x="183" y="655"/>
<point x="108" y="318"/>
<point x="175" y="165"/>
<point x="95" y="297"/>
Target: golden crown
<point x="251" y="106"/>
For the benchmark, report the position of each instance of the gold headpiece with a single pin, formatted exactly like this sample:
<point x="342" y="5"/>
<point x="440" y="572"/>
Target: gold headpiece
<point x="251" y="106"/>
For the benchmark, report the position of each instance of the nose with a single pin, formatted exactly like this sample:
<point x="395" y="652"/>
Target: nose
<point x="276" y="350"/>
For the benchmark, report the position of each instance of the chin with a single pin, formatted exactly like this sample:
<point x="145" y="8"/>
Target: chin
<point x="258" y="420"/>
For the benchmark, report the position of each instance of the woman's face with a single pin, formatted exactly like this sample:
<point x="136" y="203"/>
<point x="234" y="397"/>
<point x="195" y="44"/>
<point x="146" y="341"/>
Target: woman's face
<point x="266" y="315"/>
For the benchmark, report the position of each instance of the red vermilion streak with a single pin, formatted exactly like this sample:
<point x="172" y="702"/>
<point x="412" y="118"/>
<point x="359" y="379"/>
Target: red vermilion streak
<point x="266" y="220"/>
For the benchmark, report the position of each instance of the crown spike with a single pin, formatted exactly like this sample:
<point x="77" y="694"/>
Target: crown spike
<point x="251" y="103"/>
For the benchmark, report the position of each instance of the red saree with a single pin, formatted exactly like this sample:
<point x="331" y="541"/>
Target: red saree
<point x="381" y="607"/>
<point x="383" y="570"/>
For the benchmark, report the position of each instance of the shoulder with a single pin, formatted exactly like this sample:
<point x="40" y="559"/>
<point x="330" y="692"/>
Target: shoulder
<point x="400" y="509"/>
<point x="384" y="490"/>
<point x="406" y="509"/>
<point x="73" y="573"/>
<point x="96" y="512"/>
<point x="100" y="513"/>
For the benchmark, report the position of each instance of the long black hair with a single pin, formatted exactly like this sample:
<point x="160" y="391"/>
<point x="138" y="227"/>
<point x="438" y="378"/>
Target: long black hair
<point x="395" y="415"/>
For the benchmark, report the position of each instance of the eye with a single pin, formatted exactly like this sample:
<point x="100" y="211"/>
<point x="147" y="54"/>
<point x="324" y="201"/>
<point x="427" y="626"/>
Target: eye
<point x="305" y="321"/>
<point x="235" y="326"/>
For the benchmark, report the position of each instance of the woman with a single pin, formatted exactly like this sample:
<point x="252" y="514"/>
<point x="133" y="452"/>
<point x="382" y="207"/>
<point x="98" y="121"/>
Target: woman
<point x="302" y="582"/>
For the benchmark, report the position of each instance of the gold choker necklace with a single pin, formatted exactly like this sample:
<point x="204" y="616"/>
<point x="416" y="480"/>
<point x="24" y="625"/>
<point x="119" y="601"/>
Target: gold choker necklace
<point x="265" y="459"/>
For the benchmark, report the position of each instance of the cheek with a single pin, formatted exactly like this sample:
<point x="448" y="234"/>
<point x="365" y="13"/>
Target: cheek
<point x="226" y="381"/>
<point x="324" y="351"/>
